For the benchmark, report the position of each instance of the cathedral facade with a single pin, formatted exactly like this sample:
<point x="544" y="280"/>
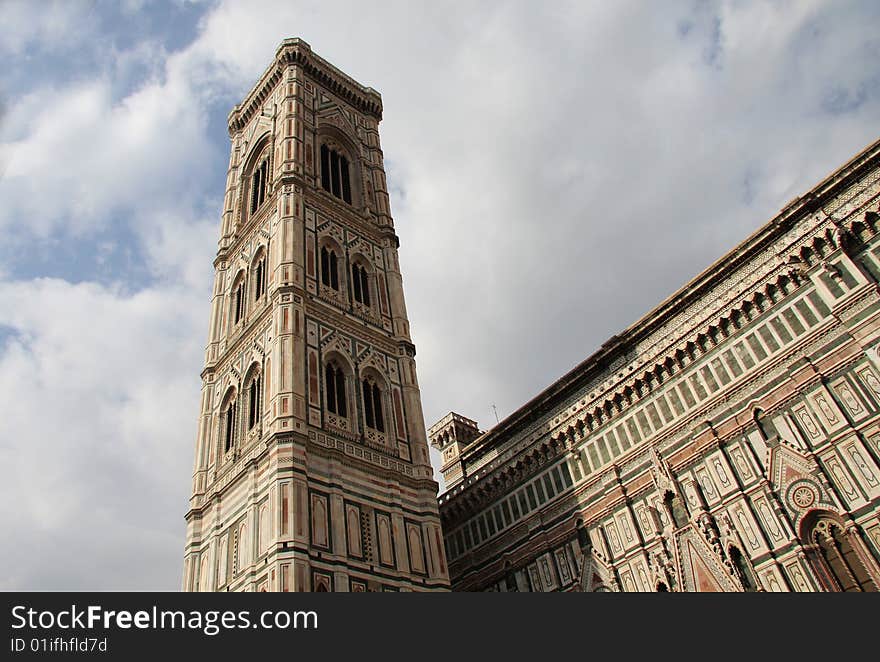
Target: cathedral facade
<point x="311" y="467"/>
<point x="727" y="441"/>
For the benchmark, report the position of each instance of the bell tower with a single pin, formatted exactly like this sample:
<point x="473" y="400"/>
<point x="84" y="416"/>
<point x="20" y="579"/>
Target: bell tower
<point x="311" y="464"/>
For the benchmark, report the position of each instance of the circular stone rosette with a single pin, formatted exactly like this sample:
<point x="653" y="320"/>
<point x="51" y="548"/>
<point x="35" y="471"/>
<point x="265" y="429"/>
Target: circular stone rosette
<point x="802" y="495"/>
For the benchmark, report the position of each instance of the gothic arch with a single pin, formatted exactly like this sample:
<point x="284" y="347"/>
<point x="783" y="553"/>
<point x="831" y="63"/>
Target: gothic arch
<point x="255" y="150"/>
<point x="363" y="278"/>
<point x="837" y="553"/>
<point x="332" y="267"/>
<point x="334" y="138"/>
<point x="228" y="418"/>
<point x="763" y="422"/>
<point x="338" y="395"/>
<point x="238" y="298"/>
<point x="742" y="567"/>
<point x="259" y="272"/>
<point x="252" y="392"/>
<point x="375" y="401"/>
<point x="256" y="177"/>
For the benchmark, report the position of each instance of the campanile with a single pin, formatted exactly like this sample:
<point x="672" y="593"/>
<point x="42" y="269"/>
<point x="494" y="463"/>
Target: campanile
<point x="311" y="467"/>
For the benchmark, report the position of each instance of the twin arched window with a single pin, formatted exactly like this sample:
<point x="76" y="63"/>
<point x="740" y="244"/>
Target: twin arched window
<point x="258" y="277"/>
<point x="258" y="184"/>
<point x="360" y="284"/>
<point x="329" y="268"/>
<point x="334" y="383"/>
<point x="254" y="392"/>
<point x="227" y="424"/>
<point x="229" y="412"/>
<point x="335" y="173"/>
<point x="336" y="396"/>
<point x="360" y="275"/>
<point x="833" y="550"/>
<point x="259" y="270"/>
<point x="372" y="397"/>
<point x="238" y="302"/>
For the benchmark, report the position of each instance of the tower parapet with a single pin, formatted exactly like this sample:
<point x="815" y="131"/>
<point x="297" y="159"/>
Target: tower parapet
<point x="450" y="435"/>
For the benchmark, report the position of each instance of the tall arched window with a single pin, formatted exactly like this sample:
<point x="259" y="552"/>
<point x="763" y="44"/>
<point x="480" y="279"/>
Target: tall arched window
<point x="360" y="284"/>
<point x="254" y="401"/>
<point x="765" y="425"/>
<point x="334" y="173"/>
<point x="238" y="301"/>
<point x="372" y="397"/>
<point x="259" y="277"/>
<point x="743" y="569"/>
<point x="833" y="549"/>
<point x="329" y="268"/>
<point x="227" y="423"/>
<point x="334" y="384"/>
<point x="259" y="179"/>
<point x="677" y="510"/>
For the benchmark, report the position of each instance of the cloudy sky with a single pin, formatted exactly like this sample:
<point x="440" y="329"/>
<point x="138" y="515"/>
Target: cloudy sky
<point x="557" y="169"/>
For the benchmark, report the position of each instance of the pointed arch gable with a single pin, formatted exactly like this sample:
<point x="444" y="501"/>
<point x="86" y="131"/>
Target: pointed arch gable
<point x="254" y="369"/>
<point x="371" y="371"/>
<point x="229" y="395"/>
<point x="255" y="149"/>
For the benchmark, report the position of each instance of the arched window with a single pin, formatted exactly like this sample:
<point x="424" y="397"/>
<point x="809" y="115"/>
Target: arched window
<point x="834" y="551"/>
<point x="743" y="569"/>
<point x="258" y="184"/>
<point x="329" y="268"/>
<point x="259" y="277"/>
<point x="238" y="301"/>
<point x="334" y="385"/>
<point x="360" y="284"/>
<point x="334" y="173"/>
<point x="765" y="425"/>
<point x="372" y="396"/>
<point x="227" y="425"/>
<point x="254" y="393"/>
<point x="677" y="510"/>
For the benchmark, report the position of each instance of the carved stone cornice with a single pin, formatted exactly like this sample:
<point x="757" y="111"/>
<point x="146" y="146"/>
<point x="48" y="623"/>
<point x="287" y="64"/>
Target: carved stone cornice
<point x="758" y="262"/>
<point x="295" y="51"/>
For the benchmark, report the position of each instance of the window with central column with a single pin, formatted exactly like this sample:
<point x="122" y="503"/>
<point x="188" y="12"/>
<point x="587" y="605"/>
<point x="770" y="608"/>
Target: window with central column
<point x="227" y="423"/>
<point x="329" y="268"/>
<point x="360" y="283"/>
<point x="335" y="178"/>
<point x="334" y="388"/>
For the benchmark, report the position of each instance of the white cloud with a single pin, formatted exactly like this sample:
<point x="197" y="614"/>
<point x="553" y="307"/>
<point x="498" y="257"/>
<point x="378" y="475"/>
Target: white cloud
<point x="84" y="157"/>
<point x="57" y="25"/>
<point x="102" y="396"/>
